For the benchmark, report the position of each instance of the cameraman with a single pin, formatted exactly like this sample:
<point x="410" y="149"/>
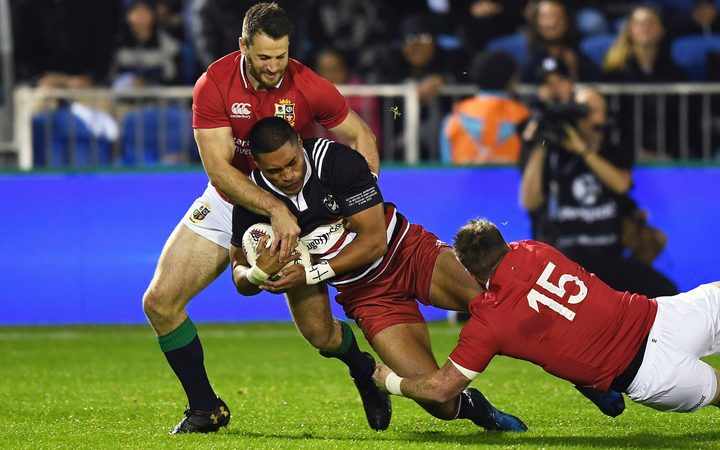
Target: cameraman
<point x="575" y="183"/>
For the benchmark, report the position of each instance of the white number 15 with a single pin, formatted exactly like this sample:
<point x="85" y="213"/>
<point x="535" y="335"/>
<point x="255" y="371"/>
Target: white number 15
<point x="534" y="297"/>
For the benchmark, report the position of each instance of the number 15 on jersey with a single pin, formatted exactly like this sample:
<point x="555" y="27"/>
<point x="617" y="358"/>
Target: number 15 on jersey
<point x="534" y="297"/>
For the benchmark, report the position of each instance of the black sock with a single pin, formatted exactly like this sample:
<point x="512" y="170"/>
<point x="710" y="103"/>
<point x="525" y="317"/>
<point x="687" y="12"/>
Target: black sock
<point x="469" y="410"/>
<point x="361" y="367"/>
<point x="187" y="363"/>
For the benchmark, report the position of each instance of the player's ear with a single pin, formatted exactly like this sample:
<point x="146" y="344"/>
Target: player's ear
<point x="243" y="45"/>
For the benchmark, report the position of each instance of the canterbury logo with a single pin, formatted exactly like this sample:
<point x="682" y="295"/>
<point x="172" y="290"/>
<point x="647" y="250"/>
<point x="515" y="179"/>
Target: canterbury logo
<point x="215" y="417"/>
<point x="240" y="109"/>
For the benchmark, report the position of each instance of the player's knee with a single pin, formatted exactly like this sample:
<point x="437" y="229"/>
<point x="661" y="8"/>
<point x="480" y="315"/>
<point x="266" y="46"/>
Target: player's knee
<point x="319" y="336"/>
<point x="157" y="305"/>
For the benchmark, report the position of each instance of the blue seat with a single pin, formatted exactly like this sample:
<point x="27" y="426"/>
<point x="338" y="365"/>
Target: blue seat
<point x="690" y="53"/>
<point x="515" y="44"/>
<point x="158" y="136"/>
<point x="595" y="47"/>
<point x="62" y="139"/>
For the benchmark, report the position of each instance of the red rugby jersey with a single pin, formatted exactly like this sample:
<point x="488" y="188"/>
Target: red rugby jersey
<point x="224" y="97"/>
<point x="544" y="308"/>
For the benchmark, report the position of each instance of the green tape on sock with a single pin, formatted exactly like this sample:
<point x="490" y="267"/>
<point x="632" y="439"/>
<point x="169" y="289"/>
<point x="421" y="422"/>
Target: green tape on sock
<point x="347" y="340"/>
<point x="179" y="337"/>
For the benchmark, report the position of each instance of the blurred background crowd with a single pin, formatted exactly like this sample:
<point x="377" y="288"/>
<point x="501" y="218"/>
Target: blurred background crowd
<point x="494" y="46"/>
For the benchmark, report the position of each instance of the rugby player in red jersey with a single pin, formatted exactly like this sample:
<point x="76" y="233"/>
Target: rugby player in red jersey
<point x="259" y="80"/>
<point x="542" y="307"/>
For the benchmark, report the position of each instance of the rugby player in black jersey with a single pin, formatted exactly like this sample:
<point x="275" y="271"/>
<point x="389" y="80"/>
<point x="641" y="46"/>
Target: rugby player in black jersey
<point x="381" y="265"/>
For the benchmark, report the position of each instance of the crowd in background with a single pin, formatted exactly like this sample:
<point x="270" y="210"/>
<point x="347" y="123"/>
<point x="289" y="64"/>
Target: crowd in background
<point x="172" y="41"/>
<point x="136" y="43"/>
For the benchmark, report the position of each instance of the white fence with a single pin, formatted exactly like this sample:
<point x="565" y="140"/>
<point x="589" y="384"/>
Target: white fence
<point x="408" y="131"/>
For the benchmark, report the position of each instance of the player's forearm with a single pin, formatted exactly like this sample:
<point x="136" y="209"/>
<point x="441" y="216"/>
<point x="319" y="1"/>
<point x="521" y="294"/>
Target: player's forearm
<point x="430" y="388"/>
<point x="240" y="190"/>
<point x="362" y="251"/>
<point x="366" y="145"/>
<point x="243" y="285"/>
<point x="369" y="244"/>
<point x="357" y="134"/>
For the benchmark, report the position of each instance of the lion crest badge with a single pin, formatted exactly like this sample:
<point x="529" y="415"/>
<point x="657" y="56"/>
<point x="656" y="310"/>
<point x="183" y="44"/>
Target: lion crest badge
<point x="286" y="110"/>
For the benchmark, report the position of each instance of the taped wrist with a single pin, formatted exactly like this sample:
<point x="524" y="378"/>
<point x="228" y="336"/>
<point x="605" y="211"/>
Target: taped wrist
<point x="318" y="272"/>
<point x="256" y="275"/>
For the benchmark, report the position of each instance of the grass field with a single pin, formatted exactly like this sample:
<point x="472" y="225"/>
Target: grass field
<point x="110" y="387"/>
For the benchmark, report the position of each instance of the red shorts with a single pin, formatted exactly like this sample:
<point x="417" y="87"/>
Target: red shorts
<point x="391" y="298"/>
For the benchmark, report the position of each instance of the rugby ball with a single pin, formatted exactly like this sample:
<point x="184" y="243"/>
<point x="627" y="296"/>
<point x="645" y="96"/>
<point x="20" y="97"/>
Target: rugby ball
<point x="252" y="237"/>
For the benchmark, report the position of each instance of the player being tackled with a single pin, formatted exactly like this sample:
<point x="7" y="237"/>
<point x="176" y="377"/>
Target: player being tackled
<point x="380" y="264"/>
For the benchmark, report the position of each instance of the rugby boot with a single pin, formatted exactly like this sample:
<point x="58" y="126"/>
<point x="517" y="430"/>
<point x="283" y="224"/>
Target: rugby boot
<point x="204" y="421"/>
<point x="491" y="418"/>
<point x="611" y="403"/>
<point x="376" y="403"/>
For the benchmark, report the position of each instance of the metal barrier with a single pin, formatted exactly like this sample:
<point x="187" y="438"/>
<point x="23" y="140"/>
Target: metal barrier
<point x="6" y="82"/>
<point x="402" y="117"/>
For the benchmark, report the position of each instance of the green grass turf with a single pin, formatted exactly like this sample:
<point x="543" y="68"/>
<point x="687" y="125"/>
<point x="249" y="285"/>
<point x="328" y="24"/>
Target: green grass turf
<point x="110" y="387"/>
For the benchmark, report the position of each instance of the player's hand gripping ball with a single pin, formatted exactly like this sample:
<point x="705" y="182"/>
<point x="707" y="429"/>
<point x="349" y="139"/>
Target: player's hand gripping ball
<point x="252" y="237"/>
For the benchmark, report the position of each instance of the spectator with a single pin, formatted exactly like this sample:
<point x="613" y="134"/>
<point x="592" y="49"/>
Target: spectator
<point x="483" y="129"/>
<point x="551" y="33"/>
<point x="703" y="18"/>
<point x="419" y="60"/>
<point x="360" y="29"/>
<point x="147" y="55"/>
<point x="170" y="17"/>
<point x="331" y="65"/>
<point x="641" y="55"/>
<point x="482" y="20"/>
<point x="575" y="184"/>
<point x="65" y="44"/>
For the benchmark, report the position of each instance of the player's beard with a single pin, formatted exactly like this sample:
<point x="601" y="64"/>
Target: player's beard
<point x="257" y="75"/>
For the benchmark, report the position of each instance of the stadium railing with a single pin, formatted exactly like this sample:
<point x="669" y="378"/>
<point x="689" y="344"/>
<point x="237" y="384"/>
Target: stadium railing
<point x="70" y="128"/>
<point x="6" y="82"/>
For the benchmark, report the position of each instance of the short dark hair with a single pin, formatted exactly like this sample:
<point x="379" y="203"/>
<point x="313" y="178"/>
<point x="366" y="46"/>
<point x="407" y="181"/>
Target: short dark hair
<point x="480" y="247"/>
<point x="493" y="70"/>
<point x="269" y="134"/>
<point x="268" y="18"/>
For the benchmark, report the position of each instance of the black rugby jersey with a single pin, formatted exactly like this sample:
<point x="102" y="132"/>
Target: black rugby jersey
<point x="338" y="184"/>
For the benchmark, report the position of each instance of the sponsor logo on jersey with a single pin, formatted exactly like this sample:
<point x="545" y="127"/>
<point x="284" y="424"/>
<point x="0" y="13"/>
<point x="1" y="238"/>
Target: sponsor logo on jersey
<point x="586" y="189"/>
<point x="324" y="237"/>
<point x="242" y="146"/>
<point x="240" y="110"/>
<point x="330" y="203"/>
<point x="285" y="109"/>
<point x="200" y="213"/>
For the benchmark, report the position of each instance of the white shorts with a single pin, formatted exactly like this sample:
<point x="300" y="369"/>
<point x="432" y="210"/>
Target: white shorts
<point x="671" y="376"/>
<point x="211" y="217"/>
